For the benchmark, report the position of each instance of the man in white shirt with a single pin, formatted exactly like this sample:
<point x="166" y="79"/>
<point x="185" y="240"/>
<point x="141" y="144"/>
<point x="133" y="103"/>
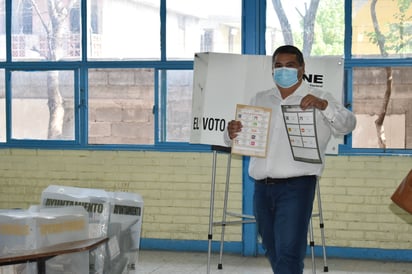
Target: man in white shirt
<point x="284" y="187"/>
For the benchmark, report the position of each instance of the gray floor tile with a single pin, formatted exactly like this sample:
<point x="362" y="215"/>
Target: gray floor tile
<point x="168" y="262"/>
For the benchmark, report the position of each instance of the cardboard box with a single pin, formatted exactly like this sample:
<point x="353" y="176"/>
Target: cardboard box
<point x="37" y="227"/>
<point x="97" y="204"/>
<point x="126" y="212"/>
<point x="117" y="215"/>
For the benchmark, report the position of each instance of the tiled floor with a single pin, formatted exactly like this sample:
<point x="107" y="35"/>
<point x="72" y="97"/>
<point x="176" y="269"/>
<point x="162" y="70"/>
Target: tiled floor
<point x="167" y="262"/>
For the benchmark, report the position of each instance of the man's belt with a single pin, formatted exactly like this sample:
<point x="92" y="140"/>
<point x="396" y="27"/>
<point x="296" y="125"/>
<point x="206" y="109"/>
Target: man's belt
<point x="272" y="181"/>
<point x="275" y="181"/>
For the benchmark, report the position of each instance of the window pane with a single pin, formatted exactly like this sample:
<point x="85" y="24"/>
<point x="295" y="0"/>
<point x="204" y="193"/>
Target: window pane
<point x="325" y="38"/>
<point x="42" y="105"/>
<point x="124" y="29"/>
<point x="394" y="21"/>
<point x="179" y="87"/>
<point x="121" y="106"/>
<point x="369" y="89"/>
<point x="46" y="32"/>
<point x="2" y="108"/>
<point x="2" y="30"/>
<point x="201" y="26"/>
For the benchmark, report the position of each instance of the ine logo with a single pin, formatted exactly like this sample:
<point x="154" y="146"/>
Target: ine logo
<point x="313" y="78"/>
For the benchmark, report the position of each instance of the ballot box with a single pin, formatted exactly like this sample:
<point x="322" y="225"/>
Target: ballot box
<point x="126" y="211"/>
<point x="117" y="215"/>
<point x="97" y="204"/>
<point x="38" y="227"/>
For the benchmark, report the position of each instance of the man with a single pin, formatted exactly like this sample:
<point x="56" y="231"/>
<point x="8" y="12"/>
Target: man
<point x="285" y="188"/>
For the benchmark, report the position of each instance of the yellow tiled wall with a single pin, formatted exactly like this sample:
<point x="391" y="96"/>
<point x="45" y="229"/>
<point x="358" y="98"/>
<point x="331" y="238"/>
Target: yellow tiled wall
<point x="176" y="187"/>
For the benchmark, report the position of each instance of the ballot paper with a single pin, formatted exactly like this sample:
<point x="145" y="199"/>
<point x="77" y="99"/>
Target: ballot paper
<point x="252" y="140"/>
<point x="301" y="128"/>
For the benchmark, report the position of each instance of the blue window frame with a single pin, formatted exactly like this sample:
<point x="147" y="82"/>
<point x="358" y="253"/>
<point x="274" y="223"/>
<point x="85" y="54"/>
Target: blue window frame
<point x="102" y="99"/>
<point x="366" y="79"/>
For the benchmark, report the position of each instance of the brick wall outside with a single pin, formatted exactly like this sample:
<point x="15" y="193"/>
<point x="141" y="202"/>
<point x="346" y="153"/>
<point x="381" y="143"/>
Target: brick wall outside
<point x="369" y="86"/>
<point x="175" y="188"/>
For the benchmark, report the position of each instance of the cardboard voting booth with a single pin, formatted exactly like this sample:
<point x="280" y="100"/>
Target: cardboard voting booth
<point x="117" y="215"/>
<point x="37" y="227"/>
<point x="221" y="81"/>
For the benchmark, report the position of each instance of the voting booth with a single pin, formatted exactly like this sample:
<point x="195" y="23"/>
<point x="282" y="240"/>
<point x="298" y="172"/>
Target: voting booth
<point x="223" y="81"/>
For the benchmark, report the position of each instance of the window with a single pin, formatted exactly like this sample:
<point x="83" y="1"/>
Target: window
<point x="382" y="29"/>
<point x="206" y="42"/>
<point x="194" y="26"/>
<point x="124" y="30"/>
<point x="378" y="87"/>
<point x="75" y="19"/>
<point x="2" y="30"/>
<point x="2" y="108"/>
<point x="27" y="17"/>
<point x="316" y="27"/>
<point x="370" y="86"/>
<point x="380" y="72"/>
<point x="119" y="73"/>
<point x="121" y="106"/>
<point x="43" y="32"/>
<point x="110" y="73"/>
<point x="42" y="105"/>
<point x="178" y="85"/>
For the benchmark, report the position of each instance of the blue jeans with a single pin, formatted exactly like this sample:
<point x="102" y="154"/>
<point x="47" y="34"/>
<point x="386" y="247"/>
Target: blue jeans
<point x="282" y="213"/>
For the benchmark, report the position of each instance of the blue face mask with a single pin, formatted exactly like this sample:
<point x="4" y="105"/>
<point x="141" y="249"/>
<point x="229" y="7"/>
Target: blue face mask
<point x="285" y="77"/>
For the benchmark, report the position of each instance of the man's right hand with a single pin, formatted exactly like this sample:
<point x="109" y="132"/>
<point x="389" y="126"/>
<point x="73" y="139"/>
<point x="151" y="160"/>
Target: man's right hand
<point x="233" y="128"/>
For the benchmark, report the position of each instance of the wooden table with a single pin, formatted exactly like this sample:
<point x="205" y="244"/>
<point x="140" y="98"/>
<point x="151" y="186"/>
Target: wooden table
<point x="41" y="255"/>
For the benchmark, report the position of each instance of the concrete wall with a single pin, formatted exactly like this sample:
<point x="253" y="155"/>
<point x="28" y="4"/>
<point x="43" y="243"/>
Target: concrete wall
<point x="369" y="86"/>
<point x="175" y="187"/>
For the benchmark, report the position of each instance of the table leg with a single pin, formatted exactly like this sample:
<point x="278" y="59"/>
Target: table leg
<point x="41" y="266"/>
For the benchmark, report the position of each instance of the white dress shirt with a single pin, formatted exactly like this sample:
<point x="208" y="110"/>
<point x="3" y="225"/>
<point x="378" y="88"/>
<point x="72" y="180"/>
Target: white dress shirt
<point x="279" y="161"/>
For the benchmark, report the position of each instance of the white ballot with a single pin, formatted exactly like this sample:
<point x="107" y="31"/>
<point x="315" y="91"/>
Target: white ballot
<point x="301" y="129"/>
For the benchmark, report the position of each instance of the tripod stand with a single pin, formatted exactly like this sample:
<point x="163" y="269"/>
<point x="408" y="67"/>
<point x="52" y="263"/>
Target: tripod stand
<point x="245" y="219"/>
<point x="242" y="218"/>
<point x="322" y="233"/>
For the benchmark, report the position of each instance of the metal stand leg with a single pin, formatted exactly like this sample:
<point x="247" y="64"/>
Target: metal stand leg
<point x="222" y="236"/>
<point x="322" y="232"/>
<point x="243" y="218"/>
<point x="212" y="200"/>
<point x="312" y="246"/>
<point x="321" y="226"/>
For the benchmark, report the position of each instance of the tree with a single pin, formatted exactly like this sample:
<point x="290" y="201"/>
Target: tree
<point x="54" y="27"/>
<point x="308" y="19"/>
<point x="395" y="40"/>
<point x="329" y="28"/>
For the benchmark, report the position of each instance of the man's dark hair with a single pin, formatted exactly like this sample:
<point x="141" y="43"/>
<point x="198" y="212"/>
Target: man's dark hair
<point x="289" y="49"/>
